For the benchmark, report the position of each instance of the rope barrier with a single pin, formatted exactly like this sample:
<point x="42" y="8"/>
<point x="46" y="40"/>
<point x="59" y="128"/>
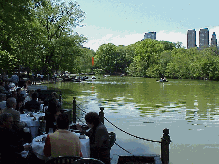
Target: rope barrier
<point x="122" y="148"/>
<point x="81" y="109"/>
<point x="80" y="120"/>
<point x="123" y="130"/>
<point x="131" y="134"/>
<point x="120" y="130"/>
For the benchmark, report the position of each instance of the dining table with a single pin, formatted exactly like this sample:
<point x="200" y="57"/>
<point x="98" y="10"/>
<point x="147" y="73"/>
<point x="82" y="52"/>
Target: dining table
<point x="32" y="121"/>
<point x="39" y="142"/>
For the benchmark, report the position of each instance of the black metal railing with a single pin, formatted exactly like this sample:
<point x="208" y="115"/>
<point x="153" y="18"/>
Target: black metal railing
<point x="165" y="140"/>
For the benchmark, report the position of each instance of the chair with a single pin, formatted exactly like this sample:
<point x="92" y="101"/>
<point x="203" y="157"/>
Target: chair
<point x="88" y="161"/>
<point x="63" y="160"/>
<point x="112" y="138"/>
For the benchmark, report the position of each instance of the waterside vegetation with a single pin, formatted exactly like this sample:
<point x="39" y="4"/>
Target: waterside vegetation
<point x="152" y="58"/>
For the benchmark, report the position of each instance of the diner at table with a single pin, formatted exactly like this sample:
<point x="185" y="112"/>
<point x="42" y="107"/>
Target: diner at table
<point x="11" y="105"/>
<point x="33" y="105"/>
<point x="11" y="141"/>
<point x="63" y="142"/>
<point x="2" y="101"/>
<point x="99" y="138"/>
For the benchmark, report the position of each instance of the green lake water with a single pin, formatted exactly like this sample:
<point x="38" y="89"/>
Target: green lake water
<point x="144" y="107"/>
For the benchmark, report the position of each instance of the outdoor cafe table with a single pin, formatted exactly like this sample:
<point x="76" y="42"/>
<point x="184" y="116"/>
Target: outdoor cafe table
<point x="38" y="146"/>
<point x="33" y="124"/>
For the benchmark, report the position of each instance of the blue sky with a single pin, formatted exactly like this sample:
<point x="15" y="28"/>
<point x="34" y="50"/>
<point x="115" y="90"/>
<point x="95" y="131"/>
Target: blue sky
<point x="124" y="22"/>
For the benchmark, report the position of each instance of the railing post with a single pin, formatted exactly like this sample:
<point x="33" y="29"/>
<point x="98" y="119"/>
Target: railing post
<point x="101" y="114"/>
<point x="165" y="141"/>
<point x="74" y="110"/>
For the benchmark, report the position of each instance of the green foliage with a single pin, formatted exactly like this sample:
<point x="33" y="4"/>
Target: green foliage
<point x="106" y="57"/>
<point x="84" y="62"/>
<point x="152" y="58"/>
<point x="39" y="34"/>
<point x="147" y="55"/>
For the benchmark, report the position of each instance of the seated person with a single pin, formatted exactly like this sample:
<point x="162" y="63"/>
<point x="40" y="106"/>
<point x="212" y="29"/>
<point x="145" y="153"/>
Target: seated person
<point x="33" y="104"/>
<point x="11" y="142"/>
<point x="20" y="105"/>
<point x="55" y="96"/>
<point x="29" y="96"/>
<point x="7" y="87"/>
<point x="99" y="138"/>
<point x="14" y="94"/>
<point x="19" y="95"/>
<point x="62" y="142"/>
<point x="2" y="87"/>
<point x="11" y="105"/>
<point x="2" y="101"/>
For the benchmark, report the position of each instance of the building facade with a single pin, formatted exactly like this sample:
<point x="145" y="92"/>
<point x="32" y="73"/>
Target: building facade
<point x="213" y="40"/>
<point x="191" y="39"/>
<point x="150" y="35"/>
<point x="203" y="38"/>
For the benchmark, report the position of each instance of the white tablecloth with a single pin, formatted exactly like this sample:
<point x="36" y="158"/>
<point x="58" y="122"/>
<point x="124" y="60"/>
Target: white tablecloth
<point x="31" y="123"/>
<point x="38" y="147"/>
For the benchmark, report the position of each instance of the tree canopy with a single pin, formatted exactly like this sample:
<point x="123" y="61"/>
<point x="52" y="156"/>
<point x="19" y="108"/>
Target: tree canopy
<point x="41" y="38"/>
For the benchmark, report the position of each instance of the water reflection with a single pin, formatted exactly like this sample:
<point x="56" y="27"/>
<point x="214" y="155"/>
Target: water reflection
<point x="188" y="100"/>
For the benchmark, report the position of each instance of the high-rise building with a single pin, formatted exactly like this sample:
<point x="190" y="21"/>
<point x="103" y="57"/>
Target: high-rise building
<point x="213" y="40"/>
<point x="150" y="35"/>
<point x="203" y="38"/>
<point x="191" y="38"/>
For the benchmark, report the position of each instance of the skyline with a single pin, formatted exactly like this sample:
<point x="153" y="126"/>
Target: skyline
<point x="124" y="22"/>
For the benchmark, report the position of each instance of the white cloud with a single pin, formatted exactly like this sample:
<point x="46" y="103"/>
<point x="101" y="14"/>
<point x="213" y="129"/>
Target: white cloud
<point x="123" y="39"/>
<point x="115" y="39"/>
<point x="173" y="37"/>
<point x="127" y="39"/>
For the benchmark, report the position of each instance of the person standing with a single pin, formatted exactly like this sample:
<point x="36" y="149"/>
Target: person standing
<point x="99" y="138"/>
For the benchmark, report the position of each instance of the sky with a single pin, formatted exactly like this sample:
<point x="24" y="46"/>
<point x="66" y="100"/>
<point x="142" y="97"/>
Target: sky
<point x="124" y="22"/>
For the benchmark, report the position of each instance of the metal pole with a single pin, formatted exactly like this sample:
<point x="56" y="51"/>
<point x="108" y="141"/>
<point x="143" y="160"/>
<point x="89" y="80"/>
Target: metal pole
<point x="165" y="141"/>
<point x="74" y="110"/>
<point x="101" y="114"/>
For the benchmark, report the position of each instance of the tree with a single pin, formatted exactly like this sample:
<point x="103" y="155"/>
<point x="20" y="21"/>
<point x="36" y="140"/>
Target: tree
<point x="147" y="55"/>
<point x="84" y="62"/>
<point x="106" y="57"/>
<point x="59" y="44"/>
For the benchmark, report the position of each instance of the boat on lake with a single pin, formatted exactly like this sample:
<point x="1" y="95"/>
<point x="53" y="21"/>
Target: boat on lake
<point x="162" y="80"/>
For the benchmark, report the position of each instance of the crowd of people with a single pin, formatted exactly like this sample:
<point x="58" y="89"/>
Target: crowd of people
<point x="16" y="100"/>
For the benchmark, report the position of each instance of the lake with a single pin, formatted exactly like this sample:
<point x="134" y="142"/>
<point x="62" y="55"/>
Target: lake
<point x="144" y="107"/>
